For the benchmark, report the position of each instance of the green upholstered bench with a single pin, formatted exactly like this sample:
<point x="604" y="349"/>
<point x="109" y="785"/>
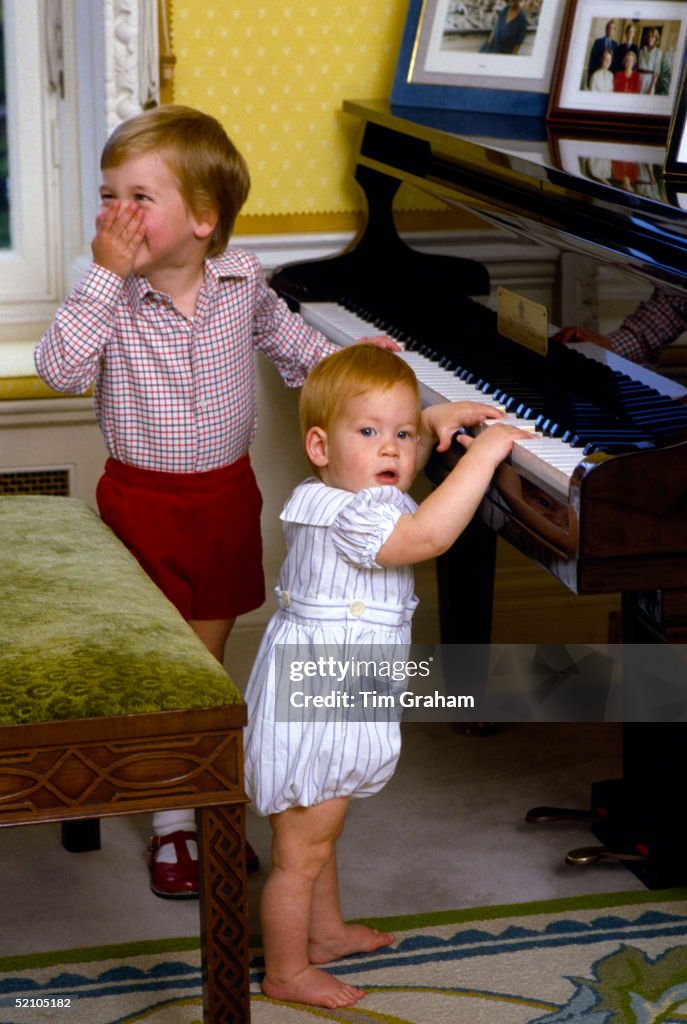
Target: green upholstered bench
<point x="109" y="705"/>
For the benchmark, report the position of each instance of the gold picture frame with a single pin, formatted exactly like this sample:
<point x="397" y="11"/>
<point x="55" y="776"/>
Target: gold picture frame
<point x="166" y="53"/>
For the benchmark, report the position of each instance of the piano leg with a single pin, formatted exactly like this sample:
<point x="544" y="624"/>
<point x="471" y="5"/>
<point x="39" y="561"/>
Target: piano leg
<point x="471" y="561"/>
<point x="646" y="810"/>
<point x="641" y="818"/>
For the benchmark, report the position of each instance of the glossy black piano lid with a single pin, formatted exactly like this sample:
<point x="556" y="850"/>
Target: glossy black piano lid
<point x="522" y="176"/>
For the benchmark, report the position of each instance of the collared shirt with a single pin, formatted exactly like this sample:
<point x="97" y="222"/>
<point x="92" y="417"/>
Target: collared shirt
<point x="655" y="323"/>
<point x="171" y="393"/>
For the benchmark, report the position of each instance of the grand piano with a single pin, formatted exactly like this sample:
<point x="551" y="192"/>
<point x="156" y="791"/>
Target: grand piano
<point x="599" y="495"/>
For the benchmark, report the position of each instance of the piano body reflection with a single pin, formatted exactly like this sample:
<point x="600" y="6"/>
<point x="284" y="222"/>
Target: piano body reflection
<point x="600" y="496"/>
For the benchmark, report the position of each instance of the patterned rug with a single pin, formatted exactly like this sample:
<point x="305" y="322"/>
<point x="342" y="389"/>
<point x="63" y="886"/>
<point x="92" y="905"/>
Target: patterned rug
<point x="616" y="959"/>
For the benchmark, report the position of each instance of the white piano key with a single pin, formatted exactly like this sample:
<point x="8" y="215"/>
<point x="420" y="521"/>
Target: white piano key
<point x="339" y="325"/>
<point x="551" y="462"/>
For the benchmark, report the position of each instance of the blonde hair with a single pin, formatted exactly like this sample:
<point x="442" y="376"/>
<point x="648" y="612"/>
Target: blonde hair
<point x="344" y="375"/>
<point x="213" y="176"/>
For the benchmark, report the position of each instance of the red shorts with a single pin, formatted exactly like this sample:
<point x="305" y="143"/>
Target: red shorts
<point x="197" y="535"/>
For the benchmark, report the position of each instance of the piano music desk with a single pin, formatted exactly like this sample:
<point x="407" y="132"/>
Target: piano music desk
<point x="110" y="705"/>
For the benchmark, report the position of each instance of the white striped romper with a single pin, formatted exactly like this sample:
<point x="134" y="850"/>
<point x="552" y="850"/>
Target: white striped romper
<point x="332" y="596"/>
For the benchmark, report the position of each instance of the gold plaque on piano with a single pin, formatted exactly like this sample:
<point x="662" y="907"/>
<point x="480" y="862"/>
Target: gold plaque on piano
<point x="522" y="320"/>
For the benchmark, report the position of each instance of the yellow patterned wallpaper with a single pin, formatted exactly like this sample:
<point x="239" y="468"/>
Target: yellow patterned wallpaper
<point x="275" y="74"/>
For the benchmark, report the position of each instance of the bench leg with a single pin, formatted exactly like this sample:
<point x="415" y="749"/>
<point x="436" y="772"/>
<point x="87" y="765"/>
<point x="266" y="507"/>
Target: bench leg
<point x="223" y="914"/>
<point x="81" y="836"/>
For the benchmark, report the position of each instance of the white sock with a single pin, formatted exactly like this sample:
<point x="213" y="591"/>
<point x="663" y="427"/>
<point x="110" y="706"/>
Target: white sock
<point x="166" y="822"/>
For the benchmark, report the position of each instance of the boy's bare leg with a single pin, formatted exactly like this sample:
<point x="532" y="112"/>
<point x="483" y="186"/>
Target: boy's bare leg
<point x="214" y="633"/>
<point x="302" y="845"/>
<point x="330" y="936"/>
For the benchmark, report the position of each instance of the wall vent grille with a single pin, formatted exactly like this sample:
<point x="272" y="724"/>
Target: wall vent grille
<point x="55" y="481"/>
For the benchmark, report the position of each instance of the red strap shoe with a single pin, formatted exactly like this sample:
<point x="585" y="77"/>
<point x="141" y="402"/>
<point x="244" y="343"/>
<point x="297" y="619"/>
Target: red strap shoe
<point x="175" y="881"/>
<point x="179" y="880"/>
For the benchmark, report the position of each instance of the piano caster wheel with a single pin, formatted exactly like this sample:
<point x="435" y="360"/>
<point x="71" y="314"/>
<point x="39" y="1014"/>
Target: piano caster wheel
<point x="584" y="855"/>
<point x="544" y="815"/>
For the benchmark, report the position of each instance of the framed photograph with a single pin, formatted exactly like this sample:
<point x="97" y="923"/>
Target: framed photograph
<point x="494" y="56"/>
<point x="635" y="166"/>
<point x="619" y="63"/>
<point x="676" y="150"/>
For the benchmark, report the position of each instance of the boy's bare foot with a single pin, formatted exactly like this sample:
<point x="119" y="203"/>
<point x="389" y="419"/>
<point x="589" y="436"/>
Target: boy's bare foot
<point x="314" y="987"/>
<point x="354" y="938"/>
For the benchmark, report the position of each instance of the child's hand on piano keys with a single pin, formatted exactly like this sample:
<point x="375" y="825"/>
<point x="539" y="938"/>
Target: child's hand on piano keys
<point x="444" y="420"/>
<point x="495" y="443"/>
<point x="381" y="341"/>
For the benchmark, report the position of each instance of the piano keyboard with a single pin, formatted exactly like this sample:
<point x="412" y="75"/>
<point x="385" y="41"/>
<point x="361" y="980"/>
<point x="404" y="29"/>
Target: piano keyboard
<point x="548" y="461"/>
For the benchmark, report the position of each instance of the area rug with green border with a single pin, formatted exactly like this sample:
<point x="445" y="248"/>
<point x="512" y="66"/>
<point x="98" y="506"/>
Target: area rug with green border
<point x="611" y="959"/>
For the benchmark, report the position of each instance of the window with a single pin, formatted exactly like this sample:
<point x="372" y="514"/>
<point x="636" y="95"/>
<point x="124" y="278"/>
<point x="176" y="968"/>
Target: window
<point x="29" y="271"/>
<point x="4" y="199"/>
<point x="70" y="70"/>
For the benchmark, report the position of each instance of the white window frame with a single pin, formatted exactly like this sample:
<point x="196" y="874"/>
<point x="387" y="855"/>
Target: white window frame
<point x="107" y="52"/>
<point x="29" y="278"/>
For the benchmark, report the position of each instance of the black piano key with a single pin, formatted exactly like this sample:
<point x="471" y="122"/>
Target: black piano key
<point x="668" y="431"/>
<point x="615" y="447"/>
<point x="666" y="416"/>
<point x="642" y="403"/>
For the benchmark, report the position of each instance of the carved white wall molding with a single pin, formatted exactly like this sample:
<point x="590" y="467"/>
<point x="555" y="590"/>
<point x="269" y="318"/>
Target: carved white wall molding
<point x="131" y="58"/>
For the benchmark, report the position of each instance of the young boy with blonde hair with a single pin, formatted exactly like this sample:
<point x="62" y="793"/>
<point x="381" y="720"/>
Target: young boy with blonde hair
<point x="166" y="323"/>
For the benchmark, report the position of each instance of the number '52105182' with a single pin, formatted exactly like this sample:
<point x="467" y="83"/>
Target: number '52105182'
<point x="41" y="1001"/>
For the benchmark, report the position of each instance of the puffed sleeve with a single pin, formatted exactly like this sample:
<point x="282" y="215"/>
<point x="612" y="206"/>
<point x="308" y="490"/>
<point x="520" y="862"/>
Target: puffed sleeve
<point x="363" y="525"/>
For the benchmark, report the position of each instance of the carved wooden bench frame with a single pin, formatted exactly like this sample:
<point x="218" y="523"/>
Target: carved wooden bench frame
<point x="73" y="770"/>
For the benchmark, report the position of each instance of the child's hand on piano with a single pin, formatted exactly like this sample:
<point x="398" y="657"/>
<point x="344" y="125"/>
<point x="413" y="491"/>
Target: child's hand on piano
<point x="381" y="341"/>
<point x="443" y="421"/>
<point x="495" y="442"/>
